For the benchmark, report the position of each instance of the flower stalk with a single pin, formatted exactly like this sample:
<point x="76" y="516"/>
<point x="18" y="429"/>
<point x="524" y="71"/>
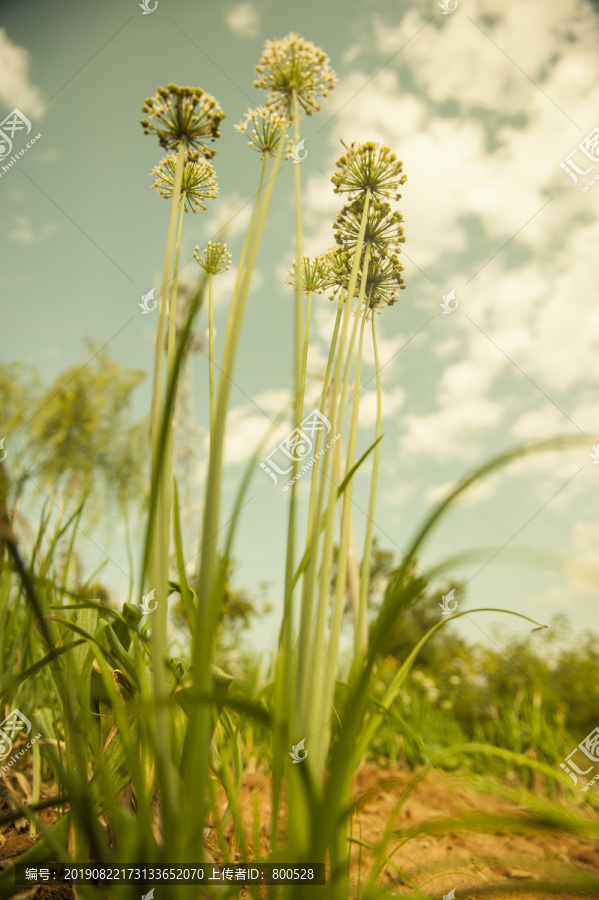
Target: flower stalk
<point x="184" y="120"/>
<point x="361" y="629"/>
<point x="158" y="528"/>
<point x="322" y="736"/>
<point x="215" y="260"/>
<point x="211" y="348"/>
<point x="316" y="708"/>
<point x="196" y="749"/>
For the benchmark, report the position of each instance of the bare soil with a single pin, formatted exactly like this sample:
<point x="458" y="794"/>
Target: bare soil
<point x="439" y="862"/>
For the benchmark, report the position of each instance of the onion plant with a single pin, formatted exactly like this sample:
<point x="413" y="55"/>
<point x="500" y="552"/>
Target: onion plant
<point x="137" y="739"/>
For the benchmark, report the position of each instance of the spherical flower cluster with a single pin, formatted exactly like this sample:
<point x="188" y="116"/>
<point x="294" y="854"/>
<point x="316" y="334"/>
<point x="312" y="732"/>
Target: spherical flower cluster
<point x="315" y="276"/>
<point x="198" y="183"/>
<point x="216" y="258"/>
<point x="371" y="171"/>
<point x="369" y="166"/>
<point x="337" y="265"/>
<point x="383" y="280"/>
<point x="183" y="115"/>
<point x="267" y="130"/>
<point x="384" y="230"/>
<point x="293" y="65"/>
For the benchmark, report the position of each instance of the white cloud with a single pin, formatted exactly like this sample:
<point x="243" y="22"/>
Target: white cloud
<point x="273" y="401"/>
<point x="316" y="364"/>
<point x="437" y="492"/>
<point x="245" y="430"/>
<point x="223" y="284"/>
<point x="537" y="424"/>
<point x="16" y="89"/>
<point x="452" y="432"/>
<point x="552" y="478"/>
<point x="392" y="491"/>
<point x="586" y="538"/>
<point x="486" y="65"/>
<point x="321" y="207"/>
<point x="250" y="423"/>
<point x="480" y="490"/>
<point x="465" y="412"/>
<point x="391" y="402"/>
<point x="535" y="313"/>
<point x="586" y="415"/>
<point x="23" y="231"/>
<point x="389" y="349"/>
<point x="525" y="340"/>
<point x="450" y="168"/>
<point x="243" y="20"/>
<point x="231" y="218"/>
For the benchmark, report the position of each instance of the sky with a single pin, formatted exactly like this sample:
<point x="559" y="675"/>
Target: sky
<point x="485" y="103"/>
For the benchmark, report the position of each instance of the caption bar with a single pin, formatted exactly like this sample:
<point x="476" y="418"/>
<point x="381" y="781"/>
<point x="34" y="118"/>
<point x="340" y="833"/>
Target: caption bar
<point x="250" y="873"/>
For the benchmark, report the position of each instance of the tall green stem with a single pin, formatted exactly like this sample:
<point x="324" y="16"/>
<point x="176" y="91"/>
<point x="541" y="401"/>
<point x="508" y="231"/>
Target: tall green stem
<point x="284" y="667"/>
<point x="341" y="579"/>
<point x="163" y="303"/>
<point x="311" y="645"/>
<point x="196" y="750"/>
<point x="316" y="712"/>
<point x="304" y="363"/>
<point x="211" y="349"/>
<point x="167" y="462"/>
<point x="365" y="572"/>
<point x="286" y="639"/>
<point x="172" y="309"/>
<point x="159" y="531"/>
<point x="339" y="849"/>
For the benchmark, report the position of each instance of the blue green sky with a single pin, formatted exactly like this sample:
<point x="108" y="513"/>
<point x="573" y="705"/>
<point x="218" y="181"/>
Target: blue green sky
<point x="481" y="104"/>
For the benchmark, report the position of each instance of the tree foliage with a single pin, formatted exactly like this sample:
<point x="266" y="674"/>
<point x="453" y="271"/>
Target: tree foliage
<point x="76" y="432"/>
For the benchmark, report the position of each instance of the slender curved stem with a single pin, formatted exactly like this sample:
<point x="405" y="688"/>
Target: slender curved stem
<point x="163" y="303"/>
<point x="284" y="686"/>
<point x="341" y="580"/>
<point x="157" y="572"/>
<point x="305" y="645"/>
<point x="304" y="362"/>
<point x="167" y="463"/>
<point x="360" y="640"/>
<point x="317" y="709"/>
<point x="211" y="349"/>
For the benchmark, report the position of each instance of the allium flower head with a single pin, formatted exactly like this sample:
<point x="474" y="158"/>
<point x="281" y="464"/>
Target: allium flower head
<point x="294" y="64"/>
<point x="198" y="184"/>
<point x="337" y="265"/>
<point x="265" y="128"/>
<point x="383" y="280"/>
<point x="183" y="115"/>
<point x="216" y="259"/>
<point x="369" y="166"/>
<point x="384" y="230"/>
<point x="315" y="276"/>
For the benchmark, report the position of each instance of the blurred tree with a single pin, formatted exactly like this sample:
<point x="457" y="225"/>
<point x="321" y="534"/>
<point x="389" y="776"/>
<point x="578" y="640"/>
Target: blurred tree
<point x="574" y="683"/>
<point x="238" y="611"/>
<point x="414" y="621"/>
<point x="75" y="433"/>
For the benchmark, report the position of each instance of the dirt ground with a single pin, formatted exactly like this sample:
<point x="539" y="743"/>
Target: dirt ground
<point x="439" y="862"/>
